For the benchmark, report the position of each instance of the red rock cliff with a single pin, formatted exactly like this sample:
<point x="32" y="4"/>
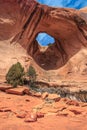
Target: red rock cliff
<point x="24" y="19"/>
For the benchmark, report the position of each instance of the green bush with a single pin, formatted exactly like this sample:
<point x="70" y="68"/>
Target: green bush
<point x="15" y="75"/>
<point x="31" y="73"/>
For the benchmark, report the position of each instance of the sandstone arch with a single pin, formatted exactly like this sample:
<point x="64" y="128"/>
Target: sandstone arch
<point x="65" y="25"/>
<point x="28" y="18"/>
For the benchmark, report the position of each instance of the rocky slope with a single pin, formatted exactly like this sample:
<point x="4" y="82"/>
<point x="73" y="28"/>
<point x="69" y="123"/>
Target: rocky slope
<point x="22" y="20"/>
<point x="39" y="111"/>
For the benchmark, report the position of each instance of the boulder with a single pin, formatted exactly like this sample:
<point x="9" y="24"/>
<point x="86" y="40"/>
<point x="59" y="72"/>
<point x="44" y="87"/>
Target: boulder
<point x="40" y="115"/>
<point x="72" y="102"/>
<point x="54" y="97"/>
<point x="44" y="95"/>
<point x="76" y="112"/>
<point x="17" y="91"/>
<point x="21" y="114"/>
<point x="5" y="110"/>
<point x="32" y="117"/>
<point x="5" y="87"/>
<point x="63" y="113"/>
<point x="37" y="94"/>
<point x="27" y="91"/>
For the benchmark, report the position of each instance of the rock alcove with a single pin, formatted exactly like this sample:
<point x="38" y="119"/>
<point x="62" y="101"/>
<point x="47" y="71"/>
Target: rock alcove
<point x="45" y="54"/>
<point x="66" y="26"/>
<point x="23" y="20"/>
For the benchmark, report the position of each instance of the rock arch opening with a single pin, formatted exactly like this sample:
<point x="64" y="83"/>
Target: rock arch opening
<point x="46" y="53"/>
<point x="45" y="39"/>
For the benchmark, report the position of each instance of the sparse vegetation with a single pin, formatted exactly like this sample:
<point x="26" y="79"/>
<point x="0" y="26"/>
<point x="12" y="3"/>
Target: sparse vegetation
<point x="32" y="76"/>
<point x="15" y="75"/>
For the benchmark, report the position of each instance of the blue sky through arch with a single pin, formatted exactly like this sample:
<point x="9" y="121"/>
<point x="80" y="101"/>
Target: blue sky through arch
<point x="44" y="39"/>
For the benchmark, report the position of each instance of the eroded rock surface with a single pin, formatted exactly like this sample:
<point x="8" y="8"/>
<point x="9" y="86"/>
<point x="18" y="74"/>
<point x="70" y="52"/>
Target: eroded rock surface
<point x="27" y="112"/>
<point x="20" y="23"/>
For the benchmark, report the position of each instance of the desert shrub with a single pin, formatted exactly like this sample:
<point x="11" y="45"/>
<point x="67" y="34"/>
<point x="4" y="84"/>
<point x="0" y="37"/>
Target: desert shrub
<point x="15" y="75"/>
<point x="31" y="73"/>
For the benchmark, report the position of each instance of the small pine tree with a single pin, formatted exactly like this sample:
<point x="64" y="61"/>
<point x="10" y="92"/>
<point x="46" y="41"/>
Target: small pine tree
<point x="15" y="75"/>
<point x="32" y="76"/>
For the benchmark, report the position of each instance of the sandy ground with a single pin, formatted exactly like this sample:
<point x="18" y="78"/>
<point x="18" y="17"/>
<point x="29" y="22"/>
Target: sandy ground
<point x="9" y="121"/>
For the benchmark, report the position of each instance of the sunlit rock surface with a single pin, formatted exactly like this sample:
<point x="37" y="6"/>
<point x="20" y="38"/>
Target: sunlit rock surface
<point x="20" y="23"/>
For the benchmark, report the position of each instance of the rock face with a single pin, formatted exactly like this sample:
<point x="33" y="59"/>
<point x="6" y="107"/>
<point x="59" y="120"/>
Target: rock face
<point x="22" y="20"/>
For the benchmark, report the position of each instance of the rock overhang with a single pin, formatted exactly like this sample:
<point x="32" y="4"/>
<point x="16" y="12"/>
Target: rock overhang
<point x="67" y="26"/>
